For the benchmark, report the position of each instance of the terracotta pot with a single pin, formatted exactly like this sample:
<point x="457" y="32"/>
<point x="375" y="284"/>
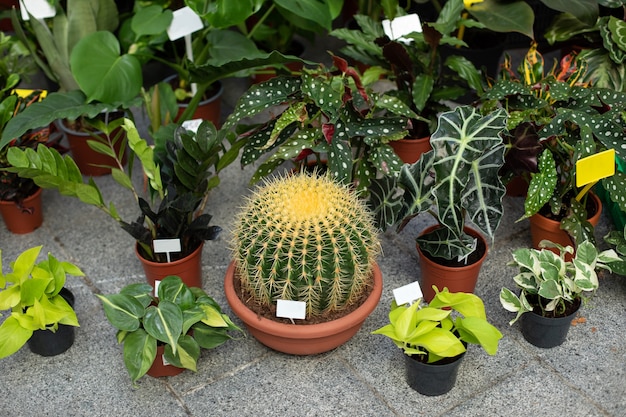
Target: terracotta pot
<point x="432" y="378"/>
<point x="189" y="268"/>
<point x="90" y="162"/>
<point x="456" y="279"/>
<point x="209" y="109"/>
<point x="543" y="228"/>
<point x="159" y="369"/>
<point x="302" y="339"/>
<point x="22" y="221"/>
<point x="410" y="150"/>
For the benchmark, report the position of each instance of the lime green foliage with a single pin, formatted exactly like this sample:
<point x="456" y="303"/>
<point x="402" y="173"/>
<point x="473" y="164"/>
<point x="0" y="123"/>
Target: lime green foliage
<point x="305" y="238"/>
<point x="436" y="330"/>
<point x="183" y="319"/>
<point x="552" y="280"/>
<point x="31" y="292"/>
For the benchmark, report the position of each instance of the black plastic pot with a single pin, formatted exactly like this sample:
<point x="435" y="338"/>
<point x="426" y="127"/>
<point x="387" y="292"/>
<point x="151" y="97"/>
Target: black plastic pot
<point x="432" y="378"/>
<point x="545" y="332"/>
<point x="48" y="343"/>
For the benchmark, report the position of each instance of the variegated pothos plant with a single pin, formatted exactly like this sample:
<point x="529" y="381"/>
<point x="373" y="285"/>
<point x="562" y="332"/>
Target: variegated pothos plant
<point x="459" y="177"/>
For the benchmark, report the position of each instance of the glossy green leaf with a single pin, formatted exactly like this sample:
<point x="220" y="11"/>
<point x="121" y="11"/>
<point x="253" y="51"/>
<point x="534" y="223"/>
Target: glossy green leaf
<point x="123" y="311"/>
<point x="139" y="353"/>
<point x="164" y="322"/>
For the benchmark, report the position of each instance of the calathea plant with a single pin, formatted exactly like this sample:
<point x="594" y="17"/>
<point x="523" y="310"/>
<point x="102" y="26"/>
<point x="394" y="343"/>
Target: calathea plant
<point x="459" y="177"/>
<point x="180" y="173"/>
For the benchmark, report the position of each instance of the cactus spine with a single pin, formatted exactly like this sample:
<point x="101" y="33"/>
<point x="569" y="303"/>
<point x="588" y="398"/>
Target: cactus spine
<point x="305" y="238"/>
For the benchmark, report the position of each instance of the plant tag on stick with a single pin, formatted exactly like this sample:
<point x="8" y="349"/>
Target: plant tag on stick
<point x="24" y="92"/>
<point x="166" y="246"/>
<point x="40" y="9"/>
<point x="185" y="22"/>
<point x="408" y="294"/>
<point x="472" y="249"/>
<point x="192" y="125"/>
<point x="402" y="25"/>
<point x="593" y="168"/>
<point x="291" y="309"/>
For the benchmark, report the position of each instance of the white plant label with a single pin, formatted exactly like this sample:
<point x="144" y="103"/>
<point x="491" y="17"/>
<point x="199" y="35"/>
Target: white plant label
<point x="165" y="362"/>
<point x="185" y="22"/>
<point x="291" y="309"/>
<point x="40" y="9"/>
<point x="166" y="246"/>
<point x="408" y="294"/>
<point x="473" y="248"/>
<point x="156" y="286"/>
<point x="192" y="125"/>
<point x="402" y="25"/>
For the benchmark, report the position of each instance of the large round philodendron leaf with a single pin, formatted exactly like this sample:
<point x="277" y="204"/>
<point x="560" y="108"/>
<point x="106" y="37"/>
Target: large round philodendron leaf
<point x="102" y="72"/>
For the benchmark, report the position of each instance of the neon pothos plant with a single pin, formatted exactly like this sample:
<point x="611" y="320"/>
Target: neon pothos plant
<point x="556" y="120"/>
<point x="459" y="177"/>
<point x="327" y="114"/>
<point x="180" y="173"/>
<point x="431" y="332"/>
<point x="182" y="319"/>
<point x="549" y="283"/>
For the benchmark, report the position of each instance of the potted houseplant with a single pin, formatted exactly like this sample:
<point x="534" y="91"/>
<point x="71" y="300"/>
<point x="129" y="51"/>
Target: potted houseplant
<point x="459" y="177"/>
<point x="425" y="81"/>
<point x="308" y="240"/>
<point x="41" y="306"/>
<point x="96" y="80"/>
<point x="180" y="174"/>
<point x="163" y="335"/>
<point x="551" y="288"/>
<point x="617" y="240"/>
<point x="554" y="121"/>
<point x="328" y="118"/>
<point x="434" y="337"/>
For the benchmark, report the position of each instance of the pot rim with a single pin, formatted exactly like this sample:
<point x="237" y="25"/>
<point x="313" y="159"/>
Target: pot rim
<point x="301" y="331"/>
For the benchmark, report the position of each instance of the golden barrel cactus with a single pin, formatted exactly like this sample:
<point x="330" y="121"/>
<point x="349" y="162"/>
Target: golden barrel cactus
<point x="306" y="238"/>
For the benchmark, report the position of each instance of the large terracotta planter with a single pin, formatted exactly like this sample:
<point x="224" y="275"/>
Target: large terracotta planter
<point x="410" y="150"/>
<point x="302" y="339"/>
<point x="90" y="162"/>
<point x="543" y="228"/>
<point x="26" y="219"/>
<point x="189" y="268"/>
<point x="456" y="279"/>
<point x="159" y="368"/>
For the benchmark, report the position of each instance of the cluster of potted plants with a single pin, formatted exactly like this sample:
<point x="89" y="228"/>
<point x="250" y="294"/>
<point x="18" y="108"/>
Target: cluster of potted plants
<point x="304" y="274"/>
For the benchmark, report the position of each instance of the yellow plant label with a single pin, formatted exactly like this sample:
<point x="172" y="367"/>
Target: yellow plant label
<point x="22" y="92"/>
<point x="595" y="167"/>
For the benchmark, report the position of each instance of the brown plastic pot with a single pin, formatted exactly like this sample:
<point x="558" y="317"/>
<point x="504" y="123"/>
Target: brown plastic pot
<point x="542" y="227"/>
<point x="456" y="279"/>
<point x="410" y="150"/>
<point x="90" y="162"/>
<point x="25" y="219"/>
<point x="302" y="339"/>
<point x="159" y="369"/>
<point x="189" y="268"/>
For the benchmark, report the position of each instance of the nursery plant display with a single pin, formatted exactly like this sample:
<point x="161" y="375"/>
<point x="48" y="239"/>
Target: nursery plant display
<point x="180" y="319"/>
<point x="36" y="295"/>
<point x="309" y="239"/>
<point x="552" y="287"/>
